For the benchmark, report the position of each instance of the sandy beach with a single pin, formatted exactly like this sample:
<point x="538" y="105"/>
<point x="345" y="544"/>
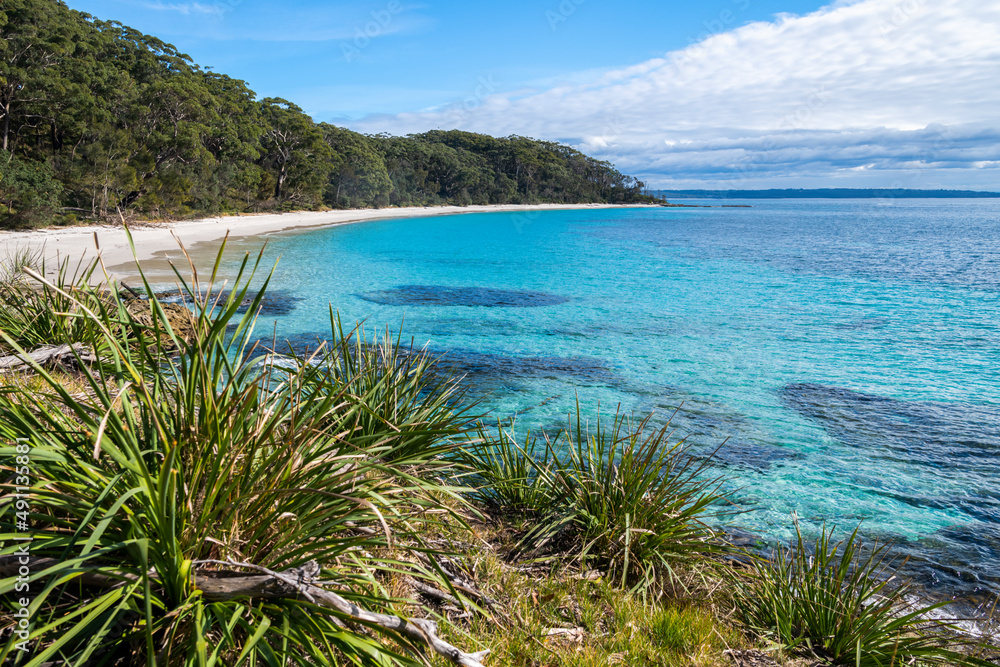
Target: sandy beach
<point x="156" y="242"/>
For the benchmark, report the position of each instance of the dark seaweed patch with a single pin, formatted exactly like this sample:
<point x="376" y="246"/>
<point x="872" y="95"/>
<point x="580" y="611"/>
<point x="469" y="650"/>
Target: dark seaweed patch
<point x="961" y="561"/>
<point x="437" y="295"/>
<point x="957" y="442"/>
<point x="275" y="302"/>
<point x="924" y="433"/>
<point x="712" y="429"/>
<point x="486" y="373"/>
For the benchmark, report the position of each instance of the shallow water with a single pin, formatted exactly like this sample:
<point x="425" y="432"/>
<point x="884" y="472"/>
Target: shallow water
<point x="848" y="350"/>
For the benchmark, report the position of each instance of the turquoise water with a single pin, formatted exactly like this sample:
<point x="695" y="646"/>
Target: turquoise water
<point x="846" y="352"/>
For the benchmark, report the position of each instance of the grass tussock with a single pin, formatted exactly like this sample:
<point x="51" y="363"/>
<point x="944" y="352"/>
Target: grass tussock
<point x="34" y="313"/>
<point x="619" y="497"/>
<point x="182" y="452"/>
<point x="845" y="603"/>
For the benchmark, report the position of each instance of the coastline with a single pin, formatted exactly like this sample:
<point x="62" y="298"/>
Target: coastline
<point x="154" y="240"/>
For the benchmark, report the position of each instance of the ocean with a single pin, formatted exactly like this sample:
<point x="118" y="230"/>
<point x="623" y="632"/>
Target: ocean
<point x="842" y="356"/>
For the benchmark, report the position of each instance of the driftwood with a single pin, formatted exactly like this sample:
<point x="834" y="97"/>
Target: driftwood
<point x="220" y="586"/>
<point x="47" y="355"/>
<point x="435" y="593"/>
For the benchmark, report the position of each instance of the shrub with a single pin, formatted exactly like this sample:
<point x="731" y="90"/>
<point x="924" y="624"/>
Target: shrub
<point x="836" y="600"/>
<point x="182" y="455"/>
<point x="621" y="498"/>
<point x="29" y="190"/>
<point x="508" y="477"/>
<point x="34" y="313"/>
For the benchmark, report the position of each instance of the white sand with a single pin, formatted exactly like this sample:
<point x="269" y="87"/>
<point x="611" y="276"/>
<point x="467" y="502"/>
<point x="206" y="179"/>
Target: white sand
<point x="152" y="240"/>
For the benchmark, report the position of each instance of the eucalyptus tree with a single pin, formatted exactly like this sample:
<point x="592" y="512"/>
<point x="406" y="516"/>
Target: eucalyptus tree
<point x="360" y="177"/>
<point x="36" y="36"/>
<point x="294" y="151"/>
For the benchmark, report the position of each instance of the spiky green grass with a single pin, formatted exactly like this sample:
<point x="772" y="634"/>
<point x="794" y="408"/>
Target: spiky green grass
<point x="33" y="313"/>
<point x="180" y="451"/>
<point x="622" y="498"/>
<point x="845" y="603"/>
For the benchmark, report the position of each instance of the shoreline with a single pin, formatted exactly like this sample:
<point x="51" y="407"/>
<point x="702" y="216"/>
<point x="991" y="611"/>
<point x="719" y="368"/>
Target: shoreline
<point x="154" y="240"/>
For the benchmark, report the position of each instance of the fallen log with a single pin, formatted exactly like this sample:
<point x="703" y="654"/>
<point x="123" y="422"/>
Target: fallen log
<point x="225" y="585"/>
<point x="48" y="355"/>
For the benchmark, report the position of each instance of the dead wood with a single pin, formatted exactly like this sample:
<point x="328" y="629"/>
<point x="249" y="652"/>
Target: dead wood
<point x="48" y="355"/>
<point x="224" y="585"/>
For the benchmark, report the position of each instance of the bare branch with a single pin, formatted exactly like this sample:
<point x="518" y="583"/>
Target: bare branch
<point x="225" y="585"/>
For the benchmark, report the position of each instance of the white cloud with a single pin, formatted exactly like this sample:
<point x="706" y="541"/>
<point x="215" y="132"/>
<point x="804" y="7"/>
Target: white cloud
<point x="889" y="85"/>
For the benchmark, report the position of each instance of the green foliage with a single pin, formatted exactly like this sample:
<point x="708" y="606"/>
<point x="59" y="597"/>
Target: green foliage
<point x="677" y="629"/>
<point x="18" y="260"/>
<point x="844" y="602"/>
<point x="360" y="178"/>
<point x="183" y="450"/>
<point x="426" y="413"/>
<point x="29" y="190"/>
<point x="33" y="315"/>
<point x="621" y="498"/>
<point x="509" y="477"/>
<point x="123" y="124"/>
<point x="556" y="618"/>
<point x="293" y="148"/>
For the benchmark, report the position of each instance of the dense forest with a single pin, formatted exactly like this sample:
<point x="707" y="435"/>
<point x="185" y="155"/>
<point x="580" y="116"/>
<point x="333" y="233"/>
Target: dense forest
<point x="101" y="122"/>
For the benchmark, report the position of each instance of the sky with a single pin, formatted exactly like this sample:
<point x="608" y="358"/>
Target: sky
<point x="711" y="94"/>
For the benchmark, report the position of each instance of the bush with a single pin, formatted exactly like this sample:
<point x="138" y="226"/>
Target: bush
<point x="181" y="456"/>
<point x="29" y="190"/>
<point x="835" y="599"/>
<point x="33" y="314"/>
<point x="621" y="498"/>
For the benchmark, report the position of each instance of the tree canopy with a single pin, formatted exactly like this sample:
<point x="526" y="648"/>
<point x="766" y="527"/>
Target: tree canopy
<point x="99" y="121"/>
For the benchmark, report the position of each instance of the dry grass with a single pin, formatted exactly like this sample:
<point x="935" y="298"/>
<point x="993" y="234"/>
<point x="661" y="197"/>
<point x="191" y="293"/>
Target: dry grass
<point x="539" y="614"/>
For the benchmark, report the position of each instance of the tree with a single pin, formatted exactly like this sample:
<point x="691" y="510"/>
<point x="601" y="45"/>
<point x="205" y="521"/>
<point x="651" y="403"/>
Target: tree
<point x="294" y="151"/>
<point x="360" y="177"/>
<point x="35" y="37"/>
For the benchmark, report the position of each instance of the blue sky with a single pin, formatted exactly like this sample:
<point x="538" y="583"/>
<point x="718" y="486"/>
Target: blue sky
<point x="719" y="93"/>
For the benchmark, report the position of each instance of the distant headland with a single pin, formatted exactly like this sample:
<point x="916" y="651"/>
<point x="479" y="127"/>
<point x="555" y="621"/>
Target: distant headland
<point x="827" y="193"/>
